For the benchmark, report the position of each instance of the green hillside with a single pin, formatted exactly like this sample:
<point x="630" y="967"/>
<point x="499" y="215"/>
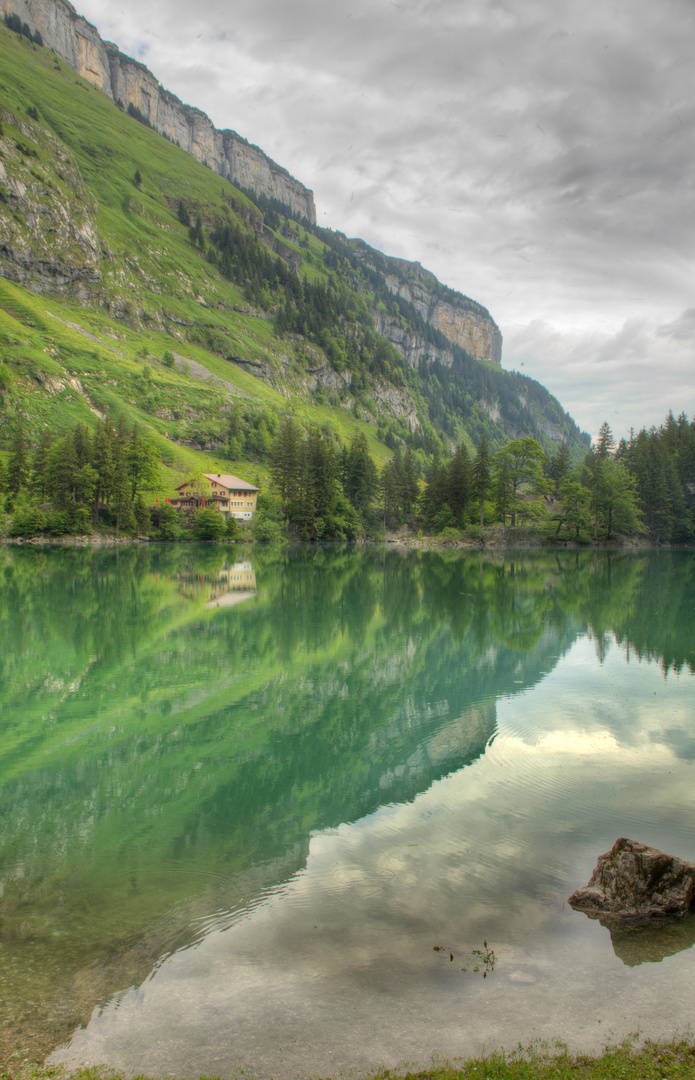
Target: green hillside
<point x="137" y="283"/>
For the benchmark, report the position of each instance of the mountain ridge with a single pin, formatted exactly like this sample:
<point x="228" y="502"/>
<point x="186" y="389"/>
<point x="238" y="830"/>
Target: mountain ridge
<point x="130" y="82"/>
<point x="166" y="295"/>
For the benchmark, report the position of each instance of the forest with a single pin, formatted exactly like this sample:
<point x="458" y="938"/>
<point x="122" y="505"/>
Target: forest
<point x="322" y="489"/>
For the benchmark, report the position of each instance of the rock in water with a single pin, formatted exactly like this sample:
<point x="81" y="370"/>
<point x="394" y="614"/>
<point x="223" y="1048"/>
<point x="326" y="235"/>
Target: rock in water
<point x="635" y="881"/>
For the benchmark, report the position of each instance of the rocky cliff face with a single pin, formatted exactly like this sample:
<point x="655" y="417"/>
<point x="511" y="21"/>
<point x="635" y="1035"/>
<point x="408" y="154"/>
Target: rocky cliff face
<point x="124" y="79"/>
<point x="460" y="320"/>
<point x="47" y="219"/>
<point x="410" y="345"/>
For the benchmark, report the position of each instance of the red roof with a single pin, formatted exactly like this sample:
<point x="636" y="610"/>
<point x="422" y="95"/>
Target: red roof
<point x="225" y="480"/>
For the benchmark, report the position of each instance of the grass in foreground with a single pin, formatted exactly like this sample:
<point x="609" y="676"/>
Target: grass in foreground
<point x="652" y="1061"/>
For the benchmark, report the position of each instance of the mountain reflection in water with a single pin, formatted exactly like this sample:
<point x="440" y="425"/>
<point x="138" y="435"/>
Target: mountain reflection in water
<point x="376" y="752"/>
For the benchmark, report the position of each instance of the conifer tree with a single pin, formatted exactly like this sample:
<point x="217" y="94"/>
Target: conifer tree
<point x="481" y="476"/>
<point x="393" y="489"/>
<point x="459" y="484"/>
<point x="558" y="467"/>
<point x="102" y="460"/>
<point x="39" y="466"/>
<point x="410" y="484"/>
<point x="605" y="443"/>
<point x="361" y="475"/>
<point x="18" y="464"/>
<point x="286" y="459"/>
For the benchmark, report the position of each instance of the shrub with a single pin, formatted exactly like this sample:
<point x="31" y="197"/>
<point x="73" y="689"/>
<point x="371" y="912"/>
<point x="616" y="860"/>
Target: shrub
<point x="143" y="521"/>
<point x="58" y="523"/>
<point x="450" y="534"/>
<point x="208" y="524"/>
<point x="167" y="523"/>
<point x="268" y="531"/>
<point x="27" y="520"/>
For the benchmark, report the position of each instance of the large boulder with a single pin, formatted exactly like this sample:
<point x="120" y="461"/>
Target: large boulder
<point x="634" y="881"/>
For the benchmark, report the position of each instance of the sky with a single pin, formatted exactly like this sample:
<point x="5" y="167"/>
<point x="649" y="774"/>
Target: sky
<point x="538" y="157"/>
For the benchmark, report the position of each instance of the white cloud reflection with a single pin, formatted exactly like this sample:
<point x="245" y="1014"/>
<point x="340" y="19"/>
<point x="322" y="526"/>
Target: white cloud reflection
<point x="337" y="969"/>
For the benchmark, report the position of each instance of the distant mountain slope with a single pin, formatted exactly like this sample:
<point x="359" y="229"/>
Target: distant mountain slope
<point x="141" y="283"/>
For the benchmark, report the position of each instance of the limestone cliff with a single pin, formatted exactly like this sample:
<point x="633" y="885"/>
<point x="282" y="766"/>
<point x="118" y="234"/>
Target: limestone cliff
<point x="127" y="81"/>
<point x="458" y="319"/>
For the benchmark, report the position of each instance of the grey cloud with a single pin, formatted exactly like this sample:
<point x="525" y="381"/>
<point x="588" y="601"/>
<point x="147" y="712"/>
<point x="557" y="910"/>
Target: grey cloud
<point x="632" y="377"/>
<point x="682" y="328"/>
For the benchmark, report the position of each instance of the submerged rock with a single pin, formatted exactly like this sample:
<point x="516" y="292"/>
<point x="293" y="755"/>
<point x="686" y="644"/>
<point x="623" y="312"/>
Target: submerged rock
<point x="633" y="880"/>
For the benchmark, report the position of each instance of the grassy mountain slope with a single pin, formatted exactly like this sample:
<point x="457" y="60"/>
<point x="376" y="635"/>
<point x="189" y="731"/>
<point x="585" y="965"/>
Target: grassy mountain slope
<point x="110" y="302"/>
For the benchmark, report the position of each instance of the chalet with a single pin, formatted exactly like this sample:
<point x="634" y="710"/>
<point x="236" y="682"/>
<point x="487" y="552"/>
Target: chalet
<point x="227" y="493"/>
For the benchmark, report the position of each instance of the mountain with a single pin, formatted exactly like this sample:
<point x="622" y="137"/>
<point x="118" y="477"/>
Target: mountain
<point x="187" y="288"/>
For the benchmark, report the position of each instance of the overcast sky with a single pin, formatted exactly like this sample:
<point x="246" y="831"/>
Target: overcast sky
<point x="537" y="156"/>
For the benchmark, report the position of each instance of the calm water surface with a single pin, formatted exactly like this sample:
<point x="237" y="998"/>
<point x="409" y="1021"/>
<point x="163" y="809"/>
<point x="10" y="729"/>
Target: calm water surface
<point x="245" y="793"/>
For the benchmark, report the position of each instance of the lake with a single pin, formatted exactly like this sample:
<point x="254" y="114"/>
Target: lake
<point x="318" y="809"/>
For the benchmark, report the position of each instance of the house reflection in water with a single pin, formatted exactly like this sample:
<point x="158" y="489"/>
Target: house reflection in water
<point x="225" y="587"/>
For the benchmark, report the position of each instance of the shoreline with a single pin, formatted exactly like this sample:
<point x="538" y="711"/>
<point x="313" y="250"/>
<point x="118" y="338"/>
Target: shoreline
<point x="493" y="541"/>
<point x="663" y="1060"/>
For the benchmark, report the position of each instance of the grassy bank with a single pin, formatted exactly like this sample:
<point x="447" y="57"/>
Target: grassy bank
<point x="652" y="1061"/>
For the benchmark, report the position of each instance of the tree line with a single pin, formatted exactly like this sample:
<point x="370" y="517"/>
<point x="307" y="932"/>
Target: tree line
<point x="643" y="485"/>
<point x="324" y="490"/>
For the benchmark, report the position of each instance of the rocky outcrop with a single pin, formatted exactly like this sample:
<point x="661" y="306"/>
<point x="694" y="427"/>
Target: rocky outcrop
<point x="410" y="345"/>
<point x="457" y="318"/>
<point x="636" y="882"/>
<point x="48" y="232"/>
<point x="129" y="82"/>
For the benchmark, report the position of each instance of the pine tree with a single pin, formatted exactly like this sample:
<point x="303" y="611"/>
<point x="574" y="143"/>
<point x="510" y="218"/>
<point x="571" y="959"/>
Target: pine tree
<point x="605" y="443"/>
<point x="360" y="482"/>
<point x="286" y="459"/>
<point x="39" y="474"/>
<point x="102" y="461"/>
<point x="459" y="484"/>
<point x="558" y="467"/>
<point x="434" y="497"/>
<point x="393" y="489"/>
<point x="481" y="481"/>
<point x="18" y="465"/>
<point x="410" y="484"/>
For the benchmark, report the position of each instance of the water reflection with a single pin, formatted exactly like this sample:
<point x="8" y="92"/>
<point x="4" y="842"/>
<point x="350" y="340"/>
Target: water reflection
<point x="649" y="940"/>
<point x="179" y="773"/>
<point x="226" y="585"/>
